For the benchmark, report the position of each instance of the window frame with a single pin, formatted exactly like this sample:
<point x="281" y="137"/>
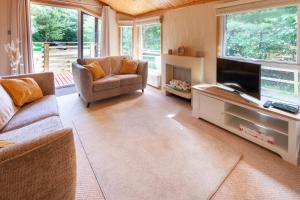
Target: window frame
<point x="121" y="40"/>
<point x="141" y="35"/>
<point x="266" y="63"/>
<point x="80" y="34"/>
<point x="141" y="45"/>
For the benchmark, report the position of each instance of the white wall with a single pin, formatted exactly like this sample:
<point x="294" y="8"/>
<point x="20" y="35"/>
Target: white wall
<point x="195" y="28"/>
<point x="4" y="36"/>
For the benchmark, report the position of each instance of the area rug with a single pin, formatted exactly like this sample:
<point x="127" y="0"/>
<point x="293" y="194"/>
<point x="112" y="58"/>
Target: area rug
<point x="139" y="151"/>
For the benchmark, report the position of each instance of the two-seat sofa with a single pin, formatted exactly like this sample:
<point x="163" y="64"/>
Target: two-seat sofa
<point x="42" y="162"/>
<point x="113" y="84"/>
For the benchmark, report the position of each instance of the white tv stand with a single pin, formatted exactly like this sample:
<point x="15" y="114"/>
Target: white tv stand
<point x="229" y="111"/>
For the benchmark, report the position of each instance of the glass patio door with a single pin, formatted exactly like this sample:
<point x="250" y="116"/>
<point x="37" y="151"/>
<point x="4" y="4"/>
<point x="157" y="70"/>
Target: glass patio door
<point x="89" y="36"/>
<point x="91" y="31"/>
<point x="55" y="41"/>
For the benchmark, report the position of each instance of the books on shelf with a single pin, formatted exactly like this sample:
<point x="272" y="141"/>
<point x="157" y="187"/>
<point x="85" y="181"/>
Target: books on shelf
<point x="257" y="134"/>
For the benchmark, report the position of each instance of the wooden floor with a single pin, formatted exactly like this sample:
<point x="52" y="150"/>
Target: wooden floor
<point x="63" y="79"/>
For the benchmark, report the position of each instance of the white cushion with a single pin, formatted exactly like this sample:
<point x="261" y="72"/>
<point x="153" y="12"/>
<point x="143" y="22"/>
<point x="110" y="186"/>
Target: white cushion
<point x="7" y="107"/>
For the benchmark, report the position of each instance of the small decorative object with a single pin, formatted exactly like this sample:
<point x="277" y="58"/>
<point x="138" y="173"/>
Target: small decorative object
<point x="199" y="54"/>
<point x="13" y="51"/>
<point x="257" y="134"/>
<point x="170" y="51"/>
<point x="181" y="51"/>
<point x="180" y="85"/>
<point x="174" y="51"/>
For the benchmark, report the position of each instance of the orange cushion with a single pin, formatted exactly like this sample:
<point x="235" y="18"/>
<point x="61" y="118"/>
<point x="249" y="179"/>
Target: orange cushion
<point x="129" y="66"/>
<point x="23" y="90"/>
<point x="96" y="69"/>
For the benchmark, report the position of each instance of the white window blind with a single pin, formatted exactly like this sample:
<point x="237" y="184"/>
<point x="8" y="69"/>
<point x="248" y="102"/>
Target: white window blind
<point x="151" y="20"/>
<point x="132" y="22"/>
<point x="248" y="5"/>
<point x="124" y="23"/>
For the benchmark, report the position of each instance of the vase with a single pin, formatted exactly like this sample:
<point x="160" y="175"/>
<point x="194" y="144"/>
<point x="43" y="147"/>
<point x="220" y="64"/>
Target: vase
<point x="14" y="68"/>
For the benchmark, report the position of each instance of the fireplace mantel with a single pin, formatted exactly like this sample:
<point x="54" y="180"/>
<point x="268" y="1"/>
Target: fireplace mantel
<point x="195" y="64"/>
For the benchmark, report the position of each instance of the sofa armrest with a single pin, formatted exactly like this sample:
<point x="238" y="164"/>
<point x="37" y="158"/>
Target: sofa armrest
<point x="83" y="80"/>
<point x="143" y="71"/>
<point x="45" y="80"/>
<point x="44" y="168"/>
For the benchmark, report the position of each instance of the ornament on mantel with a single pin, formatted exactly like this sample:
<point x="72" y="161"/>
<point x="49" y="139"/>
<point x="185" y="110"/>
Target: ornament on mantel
<point x="181" y="51"/>
<point x="199" y="54"/>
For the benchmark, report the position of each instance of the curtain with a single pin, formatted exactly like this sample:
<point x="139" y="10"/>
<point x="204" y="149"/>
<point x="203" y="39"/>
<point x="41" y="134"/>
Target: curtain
<point x="21" y="30"/>
<point x="105" y="38"/>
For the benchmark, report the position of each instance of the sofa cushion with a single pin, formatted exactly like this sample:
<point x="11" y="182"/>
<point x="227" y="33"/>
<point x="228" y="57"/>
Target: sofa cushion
<point x="110" y="64"/>
<point x="129" y="66"/>
<point x="23" y="90"/>
<point x="33" y="130"/>
<point x="40" y="109"/>
<point x="7" y="107"/>
<point x="96" y="69"/>
<point x="116" y="62"/>
<point x="104" y="62"/>
<point x="106" y="83"/>
<point x="129" y="79"/>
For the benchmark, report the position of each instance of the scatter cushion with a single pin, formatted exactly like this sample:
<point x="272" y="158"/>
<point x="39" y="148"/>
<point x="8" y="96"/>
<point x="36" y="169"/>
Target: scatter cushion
<point x="7" y="107"/>
<point x="129" y="66"/>
<point x="23" y="90"/>
<point x="96" y="69"/>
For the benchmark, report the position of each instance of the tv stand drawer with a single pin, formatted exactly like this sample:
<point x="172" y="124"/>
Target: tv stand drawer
<point x="211" y="109"/>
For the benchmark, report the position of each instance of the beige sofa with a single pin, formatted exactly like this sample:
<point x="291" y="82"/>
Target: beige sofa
<point x="113" y="84"/>
<point x="42" y="163"/>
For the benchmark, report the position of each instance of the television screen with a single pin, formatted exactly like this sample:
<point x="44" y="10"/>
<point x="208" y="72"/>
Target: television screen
<point x="240" y="76"/>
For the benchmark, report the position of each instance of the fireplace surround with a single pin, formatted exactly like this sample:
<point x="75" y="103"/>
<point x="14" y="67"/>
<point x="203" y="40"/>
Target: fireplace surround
<point x="183" y="68"/>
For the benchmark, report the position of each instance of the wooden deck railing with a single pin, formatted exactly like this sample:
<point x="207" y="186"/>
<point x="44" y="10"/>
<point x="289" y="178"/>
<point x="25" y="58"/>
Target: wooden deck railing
<point x="58" y="56"/>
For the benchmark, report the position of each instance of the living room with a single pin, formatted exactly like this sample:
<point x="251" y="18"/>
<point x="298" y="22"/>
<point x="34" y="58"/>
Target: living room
<point x="150" y="99"/>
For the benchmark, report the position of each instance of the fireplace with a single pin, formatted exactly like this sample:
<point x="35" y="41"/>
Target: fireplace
<point x="183" y="71"/>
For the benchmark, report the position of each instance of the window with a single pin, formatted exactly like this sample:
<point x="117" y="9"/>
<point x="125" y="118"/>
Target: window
<point x="91" y="30"/>
<point x="55" y="41"/>
<point x="151" y="46"/>
<point x="267" y="37"/>
<point x="89" y="33"/>
<point x="60" y="36"/>
<point x="126" y="40"/>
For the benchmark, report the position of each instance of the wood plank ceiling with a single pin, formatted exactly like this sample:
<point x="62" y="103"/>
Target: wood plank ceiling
<point x="140" y="7"/>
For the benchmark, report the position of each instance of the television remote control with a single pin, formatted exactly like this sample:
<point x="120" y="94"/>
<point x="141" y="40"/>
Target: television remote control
<point x="285" y="107"/>
<point x="268" y="104"/>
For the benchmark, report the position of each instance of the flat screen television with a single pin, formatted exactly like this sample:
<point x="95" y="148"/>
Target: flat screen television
<point x="241" y="77"/>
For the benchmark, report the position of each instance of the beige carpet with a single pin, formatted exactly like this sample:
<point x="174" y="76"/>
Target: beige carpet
<point x="260" y="174"/>
<point x="140" y="151"/>
<point x="87" y="185"/>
